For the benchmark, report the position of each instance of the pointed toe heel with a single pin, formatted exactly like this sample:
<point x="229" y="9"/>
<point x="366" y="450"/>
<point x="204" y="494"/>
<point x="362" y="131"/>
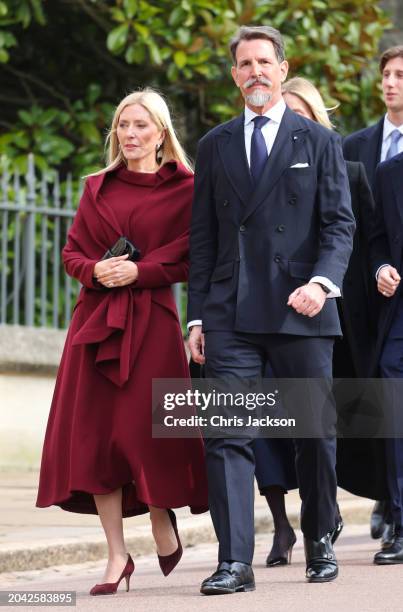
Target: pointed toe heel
<point x="169" y="562"/>
<point x="110" y="588"/>
<point x="277" y="556"/>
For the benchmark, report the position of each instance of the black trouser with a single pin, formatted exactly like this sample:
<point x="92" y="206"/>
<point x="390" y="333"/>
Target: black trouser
<point x="391" y="366"/>
<point x="230" y="462"/>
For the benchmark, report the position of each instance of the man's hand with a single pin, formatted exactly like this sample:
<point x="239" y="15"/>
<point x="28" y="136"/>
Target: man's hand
<point x="388" y="281"/>
<point x="196" y="344"/>
<point x="116" y="271"/>
<point x="308" y="299"/>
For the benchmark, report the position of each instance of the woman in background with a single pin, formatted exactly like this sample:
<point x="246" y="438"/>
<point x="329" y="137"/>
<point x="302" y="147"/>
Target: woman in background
<point x="360" y="463"/>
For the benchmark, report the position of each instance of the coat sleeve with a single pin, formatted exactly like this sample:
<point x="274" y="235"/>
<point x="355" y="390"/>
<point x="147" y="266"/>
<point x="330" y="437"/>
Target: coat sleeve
<point x="337" y="224"/>
<point x="203" y="233"/>
<point x="153" y="275"/>
<point x="379" y="251"/>
<point x="167" y="264"/>
<point x="77" y="261"/>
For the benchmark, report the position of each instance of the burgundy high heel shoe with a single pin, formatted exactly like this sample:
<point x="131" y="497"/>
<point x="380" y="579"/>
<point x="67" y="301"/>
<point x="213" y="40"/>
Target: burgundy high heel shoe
<point x="169" y="562"/>
<point x="110" y="588"/>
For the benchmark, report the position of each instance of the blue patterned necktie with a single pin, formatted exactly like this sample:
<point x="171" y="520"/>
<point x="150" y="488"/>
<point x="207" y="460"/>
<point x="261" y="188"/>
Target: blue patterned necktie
<point x="393" y="150"/>
<point x="258" y="149"/>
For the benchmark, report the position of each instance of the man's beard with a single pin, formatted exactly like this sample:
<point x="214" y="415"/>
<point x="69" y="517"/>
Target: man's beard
<point x="258" y="98"/>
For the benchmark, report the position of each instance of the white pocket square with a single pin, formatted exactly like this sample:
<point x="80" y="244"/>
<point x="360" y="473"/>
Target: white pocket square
<point x="304" y="165"/>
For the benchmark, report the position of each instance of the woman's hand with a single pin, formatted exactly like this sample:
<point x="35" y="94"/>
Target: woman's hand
<point x="116" y="272"/>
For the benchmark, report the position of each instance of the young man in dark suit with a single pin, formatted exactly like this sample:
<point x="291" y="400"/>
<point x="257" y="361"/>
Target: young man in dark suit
<point x="372" y="145"/>
<point x="386" y="248"/>
<point x="384" y="139"/>
<point x="271" y="237"/>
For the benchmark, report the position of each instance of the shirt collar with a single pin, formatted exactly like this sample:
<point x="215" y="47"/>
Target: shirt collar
<point x="389" y="127"/>
<point x="275" y="113"/>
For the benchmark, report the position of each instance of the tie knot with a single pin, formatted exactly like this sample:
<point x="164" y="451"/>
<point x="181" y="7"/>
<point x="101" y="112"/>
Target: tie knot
<point x="396" y="134"/>
<point x="260" y="121"/>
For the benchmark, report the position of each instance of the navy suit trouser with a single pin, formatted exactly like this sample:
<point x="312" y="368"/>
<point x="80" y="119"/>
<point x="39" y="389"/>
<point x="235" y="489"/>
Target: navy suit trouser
<point x="391" y="366"/>
<point x="231" y="463"/>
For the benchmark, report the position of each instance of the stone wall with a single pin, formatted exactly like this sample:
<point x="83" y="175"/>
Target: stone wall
<point x="29" y="358"/>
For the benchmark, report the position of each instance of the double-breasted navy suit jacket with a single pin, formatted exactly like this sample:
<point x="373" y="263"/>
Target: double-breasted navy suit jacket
<point x="251" y="246"/>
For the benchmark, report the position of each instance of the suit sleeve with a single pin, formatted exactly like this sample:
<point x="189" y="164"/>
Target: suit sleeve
<point x="336" y="218"/>
<point x="203" y="234"/>
<point x="379" y="251"/>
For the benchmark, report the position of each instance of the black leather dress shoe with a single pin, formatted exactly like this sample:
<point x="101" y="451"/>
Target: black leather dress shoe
<point x="378" y="518"/>
<point x="391" y="555"/>
<point x="230" y="577"/>
<point x="321" y="563"/>
<point x="388" y="535"/>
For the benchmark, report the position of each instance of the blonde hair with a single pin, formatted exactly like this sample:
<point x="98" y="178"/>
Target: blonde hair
<point x="158" y="110"/>
<point x="307" y="92"/>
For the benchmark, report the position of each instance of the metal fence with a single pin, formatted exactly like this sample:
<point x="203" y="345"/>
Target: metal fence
<point x="35" y="216"/>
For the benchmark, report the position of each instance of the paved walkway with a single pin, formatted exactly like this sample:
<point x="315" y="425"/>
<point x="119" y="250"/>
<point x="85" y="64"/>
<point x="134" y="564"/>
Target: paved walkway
<point x="360" y="587"/>
<point x="34" y="538"/>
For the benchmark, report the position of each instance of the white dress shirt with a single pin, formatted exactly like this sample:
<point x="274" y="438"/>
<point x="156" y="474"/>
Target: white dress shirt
<point x="388" y="128"/>
<point x="269" y="132"/>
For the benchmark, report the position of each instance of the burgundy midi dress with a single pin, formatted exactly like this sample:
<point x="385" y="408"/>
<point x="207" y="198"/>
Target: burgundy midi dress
<point x="99" y="432"/>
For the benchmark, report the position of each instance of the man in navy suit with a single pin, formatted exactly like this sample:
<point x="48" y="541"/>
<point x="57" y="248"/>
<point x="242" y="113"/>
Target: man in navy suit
<point x="372" y="145"/>
<point x="271" y="236"/>
<point x="386" y="248"/>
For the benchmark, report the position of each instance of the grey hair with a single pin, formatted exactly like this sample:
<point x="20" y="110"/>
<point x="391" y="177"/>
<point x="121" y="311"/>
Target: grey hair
<point x="255" y="32"/>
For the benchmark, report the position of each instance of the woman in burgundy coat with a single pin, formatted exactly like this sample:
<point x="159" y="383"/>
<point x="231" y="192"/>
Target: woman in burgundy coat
<point x="99" y="456"/>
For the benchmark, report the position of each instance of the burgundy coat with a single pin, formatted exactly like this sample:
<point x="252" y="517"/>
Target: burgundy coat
<point x="99" y="437"/>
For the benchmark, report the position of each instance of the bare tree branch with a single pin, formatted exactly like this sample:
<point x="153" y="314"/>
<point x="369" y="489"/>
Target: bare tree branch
<point x="14" y="100"/>
<point x="33" y="79"/>
<point x="94" y="14"/>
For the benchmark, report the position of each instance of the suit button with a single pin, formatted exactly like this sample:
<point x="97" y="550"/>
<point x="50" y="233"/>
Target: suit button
<point x="281" y="228"/>
<point x="396" y="239"/>
<point x="277" y="258"/>
<point x="225" y="203"/>
<point x="242" y="228"/>
<point x="293" y="199"/>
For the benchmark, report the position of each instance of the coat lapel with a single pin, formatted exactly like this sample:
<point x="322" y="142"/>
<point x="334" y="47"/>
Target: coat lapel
<point x="371" y="149"/>
<point x="290" y="137"/>
<point x="231" y="148"/>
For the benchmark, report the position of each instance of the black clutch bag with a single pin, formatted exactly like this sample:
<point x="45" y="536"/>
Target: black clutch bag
<point x="123" y="246"/>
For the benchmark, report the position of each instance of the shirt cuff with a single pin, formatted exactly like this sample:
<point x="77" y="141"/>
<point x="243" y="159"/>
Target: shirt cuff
<point x="192" y="323"/>
<point x="334" y="289"/>
<point x="379" y="269"/>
